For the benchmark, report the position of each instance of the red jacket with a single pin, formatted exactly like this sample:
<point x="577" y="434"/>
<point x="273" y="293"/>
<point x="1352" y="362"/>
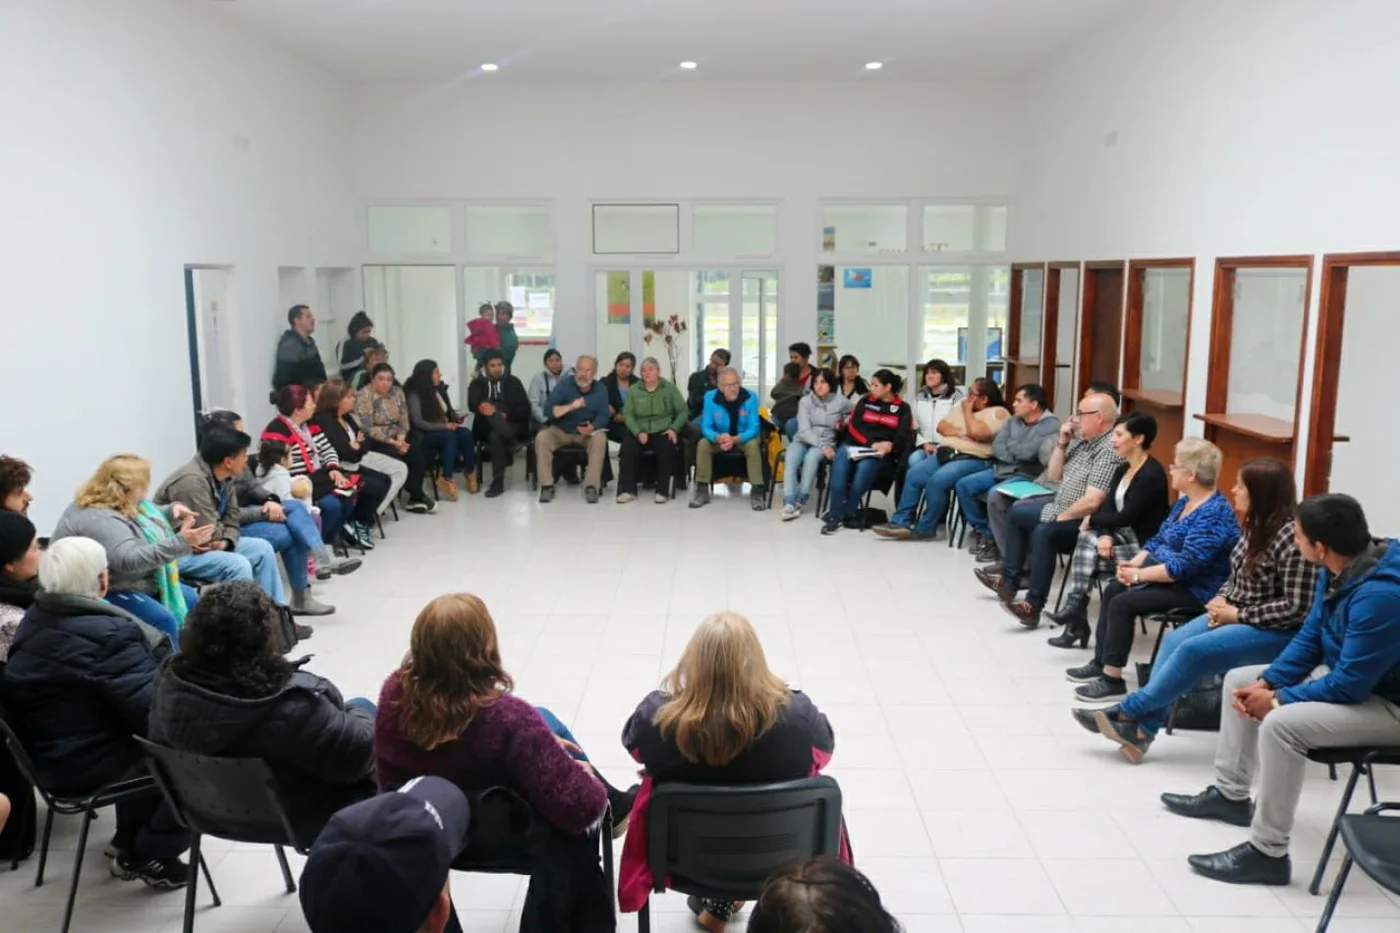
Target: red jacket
<point x="873" y="421"/>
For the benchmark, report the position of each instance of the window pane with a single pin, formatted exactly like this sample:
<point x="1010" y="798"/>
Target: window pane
<point x="636" y="228"/>
<point x="760" y="332"/>
<point x="613" y="301"/>
<point x="734" y="229"/>
<point x="530" y="291"/>
<point x="872" y="316"/>
<point x="954" y="293"/>
<point x="1032" y="304"/>
<point x="509" y="230"/>
<point x="417" y="308"/>
<point x="424" y="230"/>
<point x="710" y="323"/>
<point x="1268" y="328"/>
<point x="1166" y="302"/>
<point x="964" y="228"/>
<point x="865" y="228"/>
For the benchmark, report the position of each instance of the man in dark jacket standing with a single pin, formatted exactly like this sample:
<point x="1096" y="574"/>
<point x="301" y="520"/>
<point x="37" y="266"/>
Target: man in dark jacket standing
<point x="298" y="357"/>
<point x="1336" y="685"/>
<point x="78" y="686"/>
<point x="502" y="411"/>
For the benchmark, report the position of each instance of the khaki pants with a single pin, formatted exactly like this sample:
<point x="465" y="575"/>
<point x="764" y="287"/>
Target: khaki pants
<point x="552" y="438"/>
<point x="705" y="460"/>
<point x="1277" y="750"/>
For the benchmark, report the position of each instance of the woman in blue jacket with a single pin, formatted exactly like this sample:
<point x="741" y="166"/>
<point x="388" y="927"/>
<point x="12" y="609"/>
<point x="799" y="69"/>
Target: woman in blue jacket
<point x="1180" y="567"/>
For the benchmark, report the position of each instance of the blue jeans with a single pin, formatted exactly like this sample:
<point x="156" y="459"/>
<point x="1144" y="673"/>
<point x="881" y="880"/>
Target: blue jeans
<point x="974" y="509"/>
<point x="935" y="483"/>
<point x="556" y="725"/>
<point x="251" y="559"/>
<point x="850" y="481"/>
<point x="294" y="539"/>
<point x="800" y="465"/>
<point x="1193" y="651"/>
<point x="453" y="447"/>
<point x="917" y="457"/>
<point x="149" y="610"/>
<point x="790" y="428"/>
<point x="334" y="510"/>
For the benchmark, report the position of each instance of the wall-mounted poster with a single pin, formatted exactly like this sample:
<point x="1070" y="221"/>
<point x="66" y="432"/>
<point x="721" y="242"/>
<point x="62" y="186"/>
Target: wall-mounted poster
<point x="855" y="278"/>
<point x="826" y="304"/>
<point x="828" y="239"/>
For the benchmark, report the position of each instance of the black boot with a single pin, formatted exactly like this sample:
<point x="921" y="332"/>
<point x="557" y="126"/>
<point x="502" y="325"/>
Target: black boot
<point x="1076" y="631"/>
<point x="1075" y="607"/>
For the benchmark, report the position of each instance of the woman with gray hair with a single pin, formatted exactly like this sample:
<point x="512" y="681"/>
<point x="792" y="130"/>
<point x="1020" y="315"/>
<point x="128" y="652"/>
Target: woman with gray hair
<point x="1180" y="567"/>
<point x="654" y="413"/>
<point x="78" y="686"/>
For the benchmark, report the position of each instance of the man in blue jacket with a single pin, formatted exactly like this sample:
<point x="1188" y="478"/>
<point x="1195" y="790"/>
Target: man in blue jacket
<point x="729" y="423"/>
<point x="579" y="409"/>
<point x="1337" y="684"/>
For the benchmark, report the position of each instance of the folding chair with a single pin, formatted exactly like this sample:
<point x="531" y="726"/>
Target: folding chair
<point x="1373" y="842"/>
<point x="1363" y="760"/>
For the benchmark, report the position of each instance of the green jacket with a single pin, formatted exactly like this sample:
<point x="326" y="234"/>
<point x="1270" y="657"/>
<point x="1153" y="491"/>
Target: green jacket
<point x="654" y="412"/>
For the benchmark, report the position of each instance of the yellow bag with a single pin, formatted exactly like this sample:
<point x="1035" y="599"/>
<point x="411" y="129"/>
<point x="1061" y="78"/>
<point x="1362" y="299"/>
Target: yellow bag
<point x="774" y="445"/>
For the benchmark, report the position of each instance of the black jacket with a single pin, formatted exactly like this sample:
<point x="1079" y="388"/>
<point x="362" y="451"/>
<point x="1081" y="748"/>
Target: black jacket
<point x="303" y="730"/>
<point x="340" y="438"/>
<point x="615" y="399"/>
<point x="78" y="686"/>
<point x="700" y="383"/>
<point x="298" y="361"/>
<point x="514" y="402"/>
<point x="1145" y="505"/>
<point x="872" y="422"/>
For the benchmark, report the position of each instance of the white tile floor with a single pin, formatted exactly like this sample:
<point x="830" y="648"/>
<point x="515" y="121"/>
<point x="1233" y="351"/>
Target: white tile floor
<point x="974" y="802"/>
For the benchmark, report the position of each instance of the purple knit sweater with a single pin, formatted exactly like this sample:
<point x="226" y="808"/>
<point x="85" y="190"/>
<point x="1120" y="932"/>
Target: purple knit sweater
<point x="506" y="745"/>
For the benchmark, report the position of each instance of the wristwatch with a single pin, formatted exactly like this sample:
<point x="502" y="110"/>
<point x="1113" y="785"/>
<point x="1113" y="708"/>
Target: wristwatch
<point x="1137" y="576"/>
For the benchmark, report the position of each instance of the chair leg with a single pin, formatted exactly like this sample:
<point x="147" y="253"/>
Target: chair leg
<point x="44" y="848"/>
<point x="1060" y="599"/>
<point x="644" y="917"/>
<point x="1171" y="717"/>
<point x="209" y="880"/>
<point x="286" y="870"/>
<point x="1316" y="884"/>
<point x="394" y="507"/>
<point x="1336" y="895"/>
<point x="1331" y="772"/>
<point x="192" y="889"/>
<point x="1371" y="779"/>
<point x="1157" y="645"/>
<point x="77" y="870"/>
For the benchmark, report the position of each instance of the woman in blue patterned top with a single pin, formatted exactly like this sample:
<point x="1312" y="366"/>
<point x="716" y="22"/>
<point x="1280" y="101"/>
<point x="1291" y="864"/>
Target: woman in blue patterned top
<point x="1250" y="620"/>
<point x="1180" y="567"/>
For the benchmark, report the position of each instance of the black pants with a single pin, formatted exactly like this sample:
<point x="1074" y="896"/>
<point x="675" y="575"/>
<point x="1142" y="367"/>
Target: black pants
<point x="631" y="459"/>
<point x="1048" y="541"/>
<point x="416" y="459"/>
<point x="1119" y="611"/>
<point x="374" y="486"/>
<point x="500" y="435"/>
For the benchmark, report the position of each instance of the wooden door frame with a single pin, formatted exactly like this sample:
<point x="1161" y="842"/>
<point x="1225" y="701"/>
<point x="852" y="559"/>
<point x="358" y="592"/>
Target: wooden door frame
<point x="1087" y="289"/>
<point x="1050" y="328"/>
<point x="1327" y="362"/>
<point x="1131" y="373"/>
<point x="1013" y="315"/>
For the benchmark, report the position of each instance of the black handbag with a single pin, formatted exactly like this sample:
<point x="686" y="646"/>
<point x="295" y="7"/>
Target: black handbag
<point x="1199" y="708"/>
<point x="284" y="630"/>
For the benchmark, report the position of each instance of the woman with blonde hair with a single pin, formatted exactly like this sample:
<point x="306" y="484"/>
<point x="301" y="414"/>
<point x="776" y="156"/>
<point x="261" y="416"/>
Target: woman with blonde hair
<point x="721" y="717"/>
<point x="143" y="541"/>
<point x="450" y="711"/>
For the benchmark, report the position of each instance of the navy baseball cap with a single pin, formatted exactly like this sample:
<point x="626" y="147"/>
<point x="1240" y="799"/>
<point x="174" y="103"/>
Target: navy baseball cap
<point x="380" y="864"/>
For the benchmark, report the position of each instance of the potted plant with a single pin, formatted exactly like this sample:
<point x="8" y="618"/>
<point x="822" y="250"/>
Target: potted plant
<point x="671" y="332"/>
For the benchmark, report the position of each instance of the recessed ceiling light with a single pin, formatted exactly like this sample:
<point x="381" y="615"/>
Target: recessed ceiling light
<point x="874" y="66"/>
<point x="689" y="66"/>
<point x="490" y="66"/>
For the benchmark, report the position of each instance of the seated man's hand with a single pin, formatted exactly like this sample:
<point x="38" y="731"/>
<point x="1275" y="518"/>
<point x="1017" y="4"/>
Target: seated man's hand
<point x="586" y="428"/>
<point x="179" y="510"/>
<point x="726" y="442"/>
<point x="671" y="435"/>
<point x="1255" y="701"/>
<point x="274" y="512"/>
<point x="1105" y="547"/>
<point x="486" y="409"/>
<point x="642" y="438"/>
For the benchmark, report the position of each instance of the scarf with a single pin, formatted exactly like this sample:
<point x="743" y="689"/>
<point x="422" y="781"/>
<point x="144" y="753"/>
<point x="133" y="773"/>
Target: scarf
<point x="156" y="529"/>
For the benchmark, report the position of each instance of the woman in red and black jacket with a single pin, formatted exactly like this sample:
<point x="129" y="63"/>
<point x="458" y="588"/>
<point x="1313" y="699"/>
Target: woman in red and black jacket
<point x="313" y="456"/>
<point x="881" y="421"/>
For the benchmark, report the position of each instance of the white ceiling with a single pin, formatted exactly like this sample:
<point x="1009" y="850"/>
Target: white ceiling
<point x="390" y="41"/>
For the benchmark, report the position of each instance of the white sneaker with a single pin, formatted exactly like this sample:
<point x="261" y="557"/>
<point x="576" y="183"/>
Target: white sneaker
<point x="624" y="497"/>
<point x="661" y="498"/>
<point x="790" y="512"/>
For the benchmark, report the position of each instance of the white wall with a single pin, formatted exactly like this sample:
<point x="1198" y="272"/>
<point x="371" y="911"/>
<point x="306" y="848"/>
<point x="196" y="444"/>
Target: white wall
<point x="138" y="137"/>
<point x="1206" y="129"/>
<point x="573" y="144"/>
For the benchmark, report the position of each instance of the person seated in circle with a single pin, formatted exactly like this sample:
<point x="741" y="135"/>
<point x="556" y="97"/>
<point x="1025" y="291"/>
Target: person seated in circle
<point x="938" y="397"/>
<point x="143" y="542"/>
<point x="882" y="423"/>
<point x="381" y="410"/>
<point x="730" y="424"/>
<point x="655" y="414"/>
<point x="1251" y="619"/>
<point x="786" y="395"/>
<point x="449" y="711"/>
<point x="1136" y="506"/>
<point x="314" y="457"/>
<point x="502" y="411"/>
<point x="1179" y="568"/>
<point x="542" y="384"/>
<point x="15" y="475"/>
<point x="19" y="574"/>
<point x="852" y="385"/>
<point x="336" y="422"/>
<point x="965" y="449"/>
<point x="431" y="413"/>
<point x="820" y="416"/>
<point x="822" y="895"/>
<point x="77" y="687"/>
<point x="721" y="717"/>
<point x="619" y="384"/>
<point x="230" y="693"/>
<point x="578" y="407"/>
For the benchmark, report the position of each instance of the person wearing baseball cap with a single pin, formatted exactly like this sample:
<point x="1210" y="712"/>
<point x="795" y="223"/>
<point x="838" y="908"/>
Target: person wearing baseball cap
<point x="382" y="865"/>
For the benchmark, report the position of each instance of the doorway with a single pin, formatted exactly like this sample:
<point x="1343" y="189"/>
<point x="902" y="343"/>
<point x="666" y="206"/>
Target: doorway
<point x="213" y="340"/>
<point x="1061" y="300"/>
<point x="418" y="308"/>
<point x="1101" y="324"/>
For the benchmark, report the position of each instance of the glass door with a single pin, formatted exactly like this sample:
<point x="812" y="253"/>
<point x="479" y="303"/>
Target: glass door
<point x="759" y="361"/>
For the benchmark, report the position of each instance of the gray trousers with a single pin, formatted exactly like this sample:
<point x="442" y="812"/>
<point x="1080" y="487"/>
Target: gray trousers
<point x="1276" y="750"/>
<point x="997" y="508"/>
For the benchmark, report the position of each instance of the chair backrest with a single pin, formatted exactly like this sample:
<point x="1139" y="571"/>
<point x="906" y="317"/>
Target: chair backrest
<point x="725" y="841"/>
<point x="9" y="739"/>
<point x="232" y="798"/>
<point x="506" y="833"/>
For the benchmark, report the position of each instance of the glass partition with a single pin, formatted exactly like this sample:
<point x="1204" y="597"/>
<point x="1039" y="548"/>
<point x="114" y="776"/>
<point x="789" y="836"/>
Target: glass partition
<point x="865" y="228"/>
<point x="529" y="290"/>
<point x="1066" y="339"/>
<point x="1269" y="306"/>
<point x="1166" y="306"/>
<point x="956" y="295"/>
<point x="871" y="317"/>
<point x="1032" y="309"/>
<point x="509" y="230"/>
<point x="409" y="230"/>
<point x="759" y="321"/>
<point x="964" y="228"/>
<point x="636" y="228"/>
<point x="416" y="306"/>
<point x="734" y="229"/>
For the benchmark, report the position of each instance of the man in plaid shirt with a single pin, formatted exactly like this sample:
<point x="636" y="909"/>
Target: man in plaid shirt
<point x="1046" y="527"/>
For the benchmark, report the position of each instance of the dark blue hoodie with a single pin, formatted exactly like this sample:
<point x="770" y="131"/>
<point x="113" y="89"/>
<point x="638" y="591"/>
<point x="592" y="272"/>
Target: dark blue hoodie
<point x="1354" y="630"/>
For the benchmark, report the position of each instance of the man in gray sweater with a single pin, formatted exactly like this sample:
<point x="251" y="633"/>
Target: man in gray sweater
<point x="1020" y="449"/>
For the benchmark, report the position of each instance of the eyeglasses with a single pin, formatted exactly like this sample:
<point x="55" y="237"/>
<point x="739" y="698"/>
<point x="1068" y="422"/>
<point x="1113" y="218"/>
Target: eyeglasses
<point x="729" y="385"/>
<point x="1085" y="414"/>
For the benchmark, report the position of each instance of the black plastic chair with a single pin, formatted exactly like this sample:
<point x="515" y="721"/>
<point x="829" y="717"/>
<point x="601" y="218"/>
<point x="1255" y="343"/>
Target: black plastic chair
<point x="1166" y="621"/>
<point x="723" y="842"/>
<point x="1362" y="759"/>
<point x="229" y="798"/>
<point x="1373" y="842"/>
<point x="66" y="805"/>
<point x="566" y="458"/>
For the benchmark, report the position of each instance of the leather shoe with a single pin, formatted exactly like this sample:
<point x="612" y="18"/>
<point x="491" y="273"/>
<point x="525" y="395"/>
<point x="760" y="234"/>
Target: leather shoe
<point x="1210" y="804"/>
<point x="1243" y="864"/>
